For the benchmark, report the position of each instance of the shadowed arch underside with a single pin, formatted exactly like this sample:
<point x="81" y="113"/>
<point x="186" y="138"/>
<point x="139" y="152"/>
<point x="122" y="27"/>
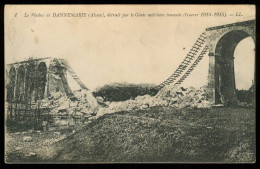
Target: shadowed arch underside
<point x="225" y="90"/>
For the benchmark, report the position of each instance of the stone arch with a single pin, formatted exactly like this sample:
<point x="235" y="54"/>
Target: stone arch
<point x="40" y="81"/>
<point x="30" y="81"/>
<point x="225" y="86"/>
<point x="11" y="85"/>
<point x="20" y="84"/>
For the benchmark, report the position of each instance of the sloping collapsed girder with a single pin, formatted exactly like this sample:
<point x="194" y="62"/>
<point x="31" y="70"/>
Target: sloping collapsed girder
<point x="72" y="73"/>
<point x="200" y="42"/>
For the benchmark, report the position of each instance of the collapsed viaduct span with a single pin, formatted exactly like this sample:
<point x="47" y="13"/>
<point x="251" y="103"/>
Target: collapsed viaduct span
<point x="35" y="79"/>
<point x="220" y="42"/>
<point x="30" y="81"/>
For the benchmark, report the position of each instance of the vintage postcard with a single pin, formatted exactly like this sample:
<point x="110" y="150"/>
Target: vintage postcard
<point x="129" y="83"/>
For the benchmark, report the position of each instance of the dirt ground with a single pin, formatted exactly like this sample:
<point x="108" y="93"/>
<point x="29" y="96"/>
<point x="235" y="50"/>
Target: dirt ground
<point x="18" y="150"/>
<point x="153" y="135"/>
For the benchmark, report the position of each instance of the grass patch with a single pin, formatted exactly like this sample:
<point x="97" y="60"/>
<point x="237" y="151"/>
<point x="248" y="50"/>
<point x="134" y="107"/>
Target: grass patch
<point x="164" y="135"/>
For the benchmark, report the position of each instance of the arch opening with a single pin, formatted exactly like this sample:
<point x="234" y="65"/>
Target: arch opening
<point x="40" y="81"/>
<point x="11" y="85"/>
<point x="20" y="90"/>
<point x="244" y="70"/>
<point x="30" y="82"/>
<point x="225" y="84"/>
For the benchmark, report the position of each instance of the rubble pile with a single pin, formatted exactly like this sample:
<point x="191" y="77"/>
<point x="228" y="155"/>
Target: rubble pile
<point x="140" y="102"/>
<point x="84" y="103"/>
<point x="170" y="96"/>
<point x="60" y="104"/>
<point x="180" y="97"/>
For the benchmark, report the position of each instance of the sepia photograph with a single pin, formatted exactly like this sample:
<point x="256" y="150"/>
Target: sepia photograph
<point x="129" y="84"/>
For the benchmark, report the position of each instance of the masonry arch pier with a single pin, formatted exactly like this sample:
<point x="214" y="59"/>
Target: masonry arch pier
<point x="223" y="41"/>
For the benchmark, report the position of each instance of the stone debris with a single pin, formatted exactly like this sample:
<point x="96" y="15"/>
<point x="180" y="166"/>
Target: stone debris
<point x="18" y="148"/>
<point x="169" y="96"/>
<point x="100" y="99"/>
<point x="31" y="154"/>
<point x="27" y="139"/>
<point x="56" y="133"/>
<point x="81" y="105"/>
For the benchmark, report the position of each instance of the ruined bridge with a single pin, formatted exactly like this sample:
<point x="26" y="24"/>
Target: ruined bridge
<point x="220" y="43"/>
<point x="35" y="79"/>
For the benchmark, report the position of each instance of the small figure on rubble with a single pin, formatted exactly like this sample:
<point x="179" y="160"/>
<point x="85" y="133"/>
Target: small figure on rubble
<point x="74" y="117"/>
<point x="45" y="125"/>
<point x="83" y="118"/>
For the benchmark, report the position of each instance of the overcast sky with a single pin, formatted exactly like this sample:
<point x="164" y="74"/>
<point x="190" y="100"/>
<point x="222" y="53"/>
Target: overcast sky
<point x="133" y="49"/>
